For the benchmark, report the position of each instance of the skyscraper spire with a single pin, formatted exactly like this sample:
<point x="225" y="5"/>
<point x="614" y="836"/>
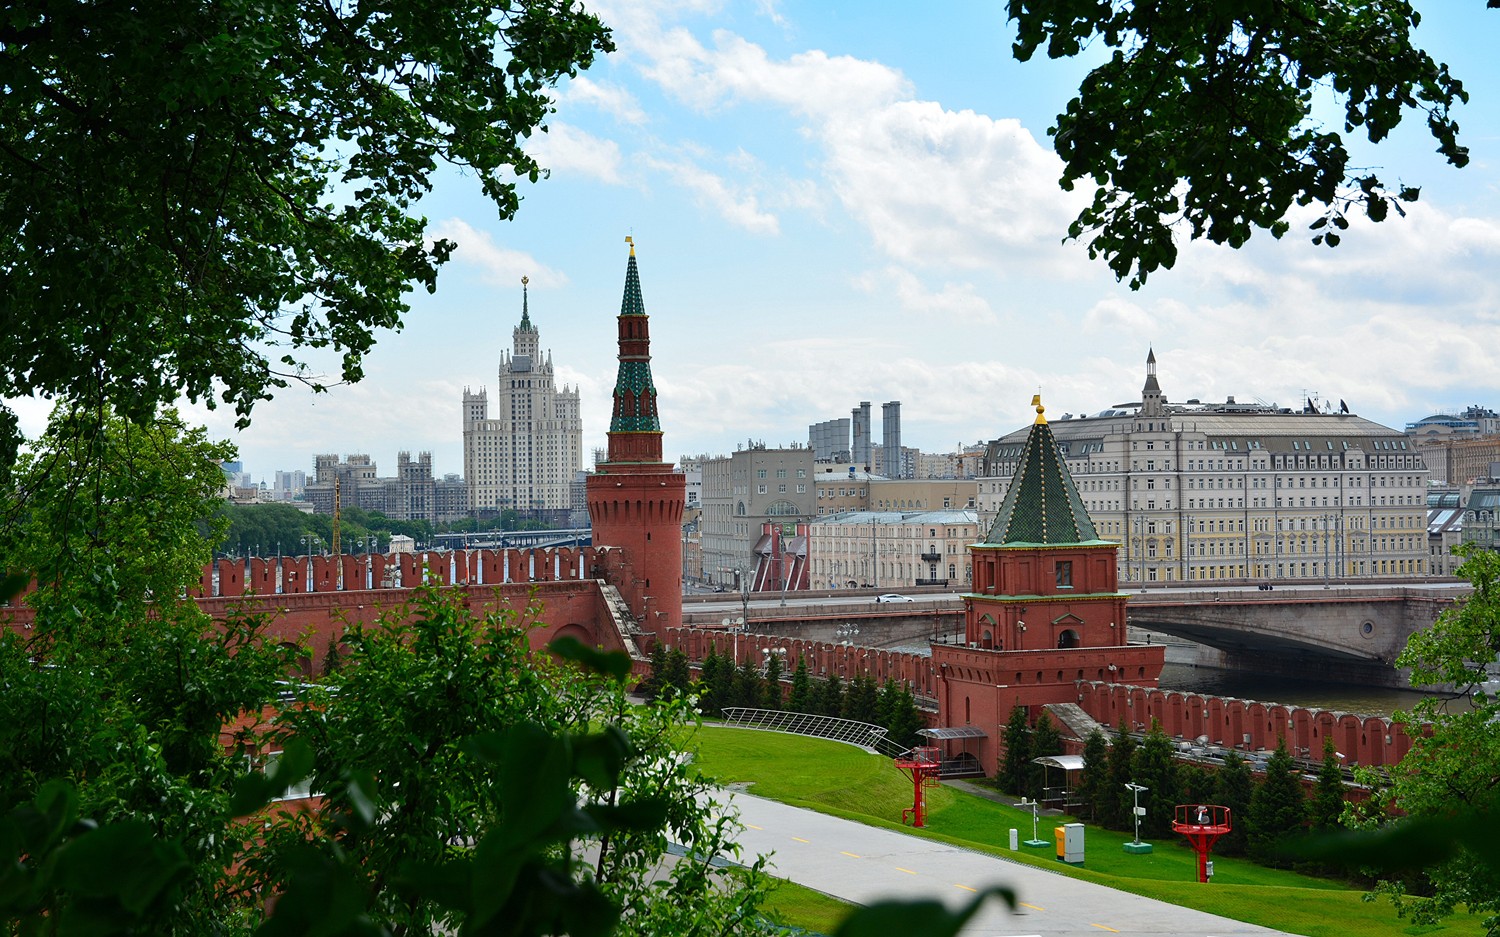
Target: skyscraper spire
<point x="525" y="308"/>
<point x="634" y="428"/>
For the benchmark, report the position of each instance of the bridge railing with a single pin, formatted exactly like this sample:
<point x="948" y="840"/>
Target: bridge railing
<point x="849" y="731"/>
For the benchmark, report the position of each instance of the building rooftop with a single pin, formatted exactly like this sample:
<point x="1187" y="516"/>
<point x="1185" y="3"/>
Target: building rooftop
<point x="952" y="516"/>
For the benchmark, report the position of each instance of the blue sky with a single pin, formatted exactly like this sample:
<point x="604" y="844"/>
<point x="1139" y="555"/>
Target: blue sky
<point x="843" y="202"/>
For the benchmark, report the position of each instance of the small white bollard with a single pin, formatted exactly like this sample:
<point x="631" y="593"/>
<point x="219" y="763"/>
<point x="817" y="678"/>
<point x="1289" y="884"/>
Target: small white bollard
<point x="1015" y="838"/>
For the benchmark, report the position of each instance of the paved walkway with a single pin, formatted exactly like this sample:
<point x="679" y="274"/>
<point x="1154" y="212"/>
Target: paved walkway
<point x="866" y="864"/>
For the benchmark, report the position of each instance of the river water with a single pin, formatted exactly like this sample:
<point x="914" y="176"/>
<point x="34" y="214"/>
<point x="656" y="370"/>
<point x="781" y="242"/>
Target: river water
<point x="1361" y="699"/>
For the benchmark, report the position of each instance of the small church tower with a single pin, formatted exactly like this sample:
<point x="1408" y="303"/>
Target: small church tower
<point x="1153" y="401"/>
<point x="635" y="499"/>
<point x="1045" y="617"/>
<point x="1042" y="577"/>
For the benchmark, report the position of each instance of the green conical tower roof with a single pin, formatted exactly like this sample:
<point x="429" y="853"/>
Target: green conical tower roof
<point x="1042" y="505"/>
<point x="631" y="303"/>
<point x="635" y="391"/>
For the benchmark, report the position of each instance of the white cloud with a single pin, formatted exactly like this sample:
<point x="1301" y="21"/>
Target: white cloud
<point x="566" y="150"/>
<point x="953" y="302"/>
<point x="1118" y="314"/>
<point x="947" y="188"/>
<point x="606" y="96"/>
<point x="932" y="186"/>
<point x="497" y="264"/>
<point x="733" y="202"/>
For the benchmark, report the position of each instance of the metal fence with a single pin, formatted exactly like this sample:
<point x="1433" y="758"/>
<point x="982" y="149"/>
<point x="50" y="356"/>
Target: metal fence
<point x="848" y="731"/>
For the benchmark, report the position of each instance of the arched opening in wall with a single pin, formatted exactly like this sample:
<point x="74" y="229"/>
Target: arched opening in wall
<point x="302" y="662"/>
<point x="966" y="709"/>
<point x="989" y="639"/>
<point x="583" y="633"/>
<point x="1069" y="638"/>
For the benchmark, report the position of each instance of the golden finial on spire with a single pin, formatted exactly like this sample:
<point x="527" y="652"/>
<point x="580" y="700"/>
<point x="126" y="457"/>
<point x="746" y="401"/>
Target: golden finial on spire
<point x="1036" y="401"/>
<point x="629" y="239"/>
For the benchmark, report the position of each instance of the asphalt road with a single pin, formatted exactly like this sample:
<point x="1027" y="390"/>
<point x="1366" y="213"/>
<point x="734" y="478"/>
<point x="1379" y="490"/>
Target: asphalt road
<point x="866" y="864"/>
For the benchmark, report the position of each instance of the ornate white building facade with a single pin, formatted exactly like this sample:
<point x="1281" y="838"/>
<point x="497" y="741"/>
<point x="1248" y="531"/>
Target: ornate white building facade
<point x="1239" y="491"/>
<point x="525" y="458"/>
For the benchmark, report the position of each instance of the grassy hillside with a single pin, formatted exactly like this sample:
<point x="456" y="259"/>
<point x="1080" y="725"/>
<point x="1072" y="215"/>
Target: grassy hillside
<point x="845" y="781"/>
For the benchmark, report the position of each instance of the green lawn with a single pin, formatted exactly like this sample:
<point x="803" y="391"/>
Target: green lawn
<point x="845" y="781"/>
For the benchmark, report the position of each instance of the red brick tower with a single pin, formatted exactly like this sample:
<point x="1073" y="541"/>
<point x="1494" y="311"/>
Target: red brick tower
<point x="635" y="499"/>
<point x="1042" y="577"/>
<point x="1045" y="614"/>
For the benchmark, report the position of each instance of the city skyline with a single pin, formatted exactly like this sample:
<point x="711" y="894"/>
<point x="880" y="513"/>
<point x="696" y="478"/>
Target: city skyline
<point x="841" y="205"/>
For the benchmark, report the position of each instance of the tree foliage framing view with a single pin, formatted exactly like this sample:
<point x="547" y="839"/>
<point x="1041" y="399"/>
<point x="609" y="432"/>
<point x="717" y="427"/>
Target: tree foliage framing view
<point x="468" y="784"/>
<point x="1203" y="116"/>
<point x="190" y="188"/>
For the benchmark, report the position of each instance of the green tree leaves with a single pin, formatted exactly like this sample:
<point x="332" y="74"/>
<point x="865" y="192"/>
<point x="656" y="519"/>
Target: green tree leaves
<point x="192" y="195"/>
<point x="1202" y="116"/>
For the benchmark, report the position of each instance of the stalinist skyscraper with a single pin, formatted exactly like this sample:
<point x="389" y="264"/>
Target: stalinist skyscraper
<point x="525" y="458"/>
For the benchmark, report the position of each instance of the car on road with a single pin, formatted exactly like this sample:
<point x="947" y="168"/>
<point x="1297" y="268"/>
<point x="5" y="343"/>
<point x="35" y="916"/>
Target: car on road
<point x="894" y="597"/>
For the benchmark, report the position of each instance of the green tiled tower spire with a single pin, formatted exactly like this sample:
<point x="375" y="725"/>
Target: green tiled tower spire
<point x="1042" y="505"/>
<point x="635" y="392"/>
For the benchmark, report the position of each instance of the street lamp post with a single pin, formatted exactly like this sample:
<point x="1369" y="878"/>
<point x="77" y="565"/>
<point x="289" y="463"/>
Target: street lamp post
<point x="744" y="600"/>
<point x="1137" y="811"/>
<point x="1035" y="808"/>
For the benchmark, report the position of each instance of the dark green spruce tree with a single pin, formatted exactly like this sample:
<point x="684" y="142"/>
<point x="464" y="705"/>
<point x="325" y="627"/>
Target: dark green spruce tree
<point x="710" y="702"/>
<point x="1153" y="767"/>
<point x="830" y="695"/>
<point x="1045" y="740"/>
<point x="1095" y="772"/>
<point x="861" y="701"/>
<point x="1014" y="766"/>
<point x="800" y="699"/>
<point x="1234" y="786"/>
<point x="679" y="674"/>
<point x="1114" y="803"/>
<point x="772" y="698"/>
<point x="650" y="687"/>
<point x="1328" y="794"/>
<point x="1278" y="809"/>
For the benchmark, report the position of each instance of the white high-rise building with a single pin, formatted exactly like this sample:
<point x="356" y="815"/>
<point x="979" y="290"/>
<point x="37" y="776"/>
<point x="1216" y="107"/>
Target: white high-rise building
<point x="526" y="457"/>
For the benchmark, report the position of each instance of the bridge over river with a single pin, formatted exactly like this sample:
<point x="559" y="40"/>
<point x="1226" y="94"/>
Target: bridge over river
<point x="1341" y="633"/>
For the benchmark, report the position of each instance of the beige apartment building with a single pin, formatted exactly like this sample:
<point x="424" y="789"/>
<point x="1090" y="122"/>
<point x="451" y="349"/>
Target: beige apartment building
<point x="841" y="488"/>
<point x="743" y="491"/>
<point x="1238" y="491"/>
<point x="891" y="550"/>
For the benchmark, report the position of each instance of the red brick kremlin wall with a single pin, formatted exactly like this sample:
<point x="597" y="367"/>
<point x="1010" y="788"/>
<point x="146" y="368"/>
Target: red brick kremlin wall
<point x="1033" y="679"/>
<point x="312" y="605"/>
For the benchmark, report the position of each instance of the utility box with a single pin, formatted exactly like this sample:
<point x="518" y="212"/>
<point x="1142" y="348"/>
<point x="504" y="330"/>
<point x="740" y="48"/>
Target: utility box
<point x="1015" y="838"/>
<point x="1070" y="843"/>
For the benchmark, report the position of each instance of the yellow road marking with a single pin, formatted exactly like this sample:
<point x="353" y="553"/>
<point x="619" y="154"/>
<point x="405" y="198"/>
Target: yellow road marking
<point x="801" y="840"/>
<point x="964" y="887"/>
<point x="754" y="827"/>
<point x="851" y="855"/>
<point x="1031" y="906"/>
<point x="907" y="871"/>
<point x="1102" y="927"/>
